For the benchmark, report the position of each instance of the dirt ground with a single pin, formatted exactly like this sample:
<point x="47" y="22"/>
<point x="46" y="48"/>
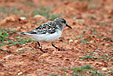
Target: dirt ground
<point x="89" y="42"/>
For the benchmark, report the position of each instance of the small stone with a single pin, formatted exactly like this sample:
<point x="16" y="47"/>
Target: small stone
<point x="23" y="48"/>
<point x="91" y="41"/>
<point x="20" y="49"/>
<point x="6" y="57"/>
<point x="104" y="69"/>
<point x="22" y="18"/>
<point x="106" y="44"/>
<point x="41" y="17"/>
<point x="75" y="41"/>
<point x="71" y="40"/>
<point x="20" y="73"/>
<point x="80" y="20"/>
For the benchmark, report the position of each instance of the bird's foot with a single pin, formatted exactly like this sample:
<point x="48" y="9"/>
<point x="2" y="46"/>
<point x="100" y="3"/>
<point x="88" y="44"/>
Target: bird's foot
<point x="60" y="49"/>
<point x="43" y="51"/>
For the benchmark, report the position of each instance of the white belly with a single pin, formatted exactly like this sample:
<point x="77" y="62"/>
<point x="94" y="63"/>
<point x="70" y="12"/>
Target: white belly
<point x="47" y="37"/>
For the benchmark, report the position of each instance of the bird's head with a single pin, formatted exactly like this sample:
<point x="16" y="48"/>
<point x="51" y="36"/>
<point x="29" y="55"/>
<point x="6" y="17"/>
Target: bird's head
<point x="61" y="22"/>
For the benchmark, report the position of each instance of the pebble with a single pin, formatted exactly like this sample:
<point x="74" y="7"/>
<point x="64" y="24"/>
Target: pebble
<point x="42" y="17"/>
<point x="75" y="41"/>
<point x="22" y="18"/>
<point x="80" y="20"/>
<point x="6" y="57"/>
<point x="71" y="40"/>
<point x="23" y="48"/>
<point x="19" y="73"/>
<point x="104" y="69"/>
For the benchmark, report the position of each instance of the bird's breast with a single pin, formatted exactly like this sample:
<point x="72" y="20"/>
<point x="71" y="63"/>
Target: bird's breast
<point x="47" y="37"/>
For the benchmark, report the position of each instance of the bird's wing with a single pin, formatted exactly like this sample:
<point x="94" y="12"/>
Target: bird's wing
<point x="49" y="27"/>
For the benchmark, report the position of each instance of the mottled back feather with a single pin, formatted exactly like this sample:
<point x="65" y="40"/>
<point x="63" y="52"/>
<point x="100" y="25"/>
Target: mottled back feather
<point x="49" y="27"/>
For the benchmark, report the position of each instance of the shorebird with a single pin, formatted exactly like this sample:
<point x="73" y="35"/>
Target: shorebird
<point x="48" y="32"/>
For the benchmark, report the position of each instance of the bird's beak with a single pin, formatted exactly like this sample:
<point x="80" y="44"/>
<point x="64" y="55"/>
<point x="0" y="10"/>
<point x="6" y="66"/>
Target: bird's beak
<point x="68" y="26"/>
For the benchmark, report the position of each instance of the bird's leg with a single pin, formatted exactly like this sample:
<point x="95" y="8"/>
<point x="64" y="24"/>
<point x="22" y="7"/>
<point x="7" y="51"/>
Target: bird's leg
<point x="57" y="47"/>
<point x="41" y="48"/>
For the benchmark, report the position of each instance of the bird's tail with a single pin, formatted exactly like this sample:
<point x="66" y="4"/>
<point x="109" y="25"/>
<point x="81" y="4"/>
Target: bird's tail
<point x="25" y="33"/>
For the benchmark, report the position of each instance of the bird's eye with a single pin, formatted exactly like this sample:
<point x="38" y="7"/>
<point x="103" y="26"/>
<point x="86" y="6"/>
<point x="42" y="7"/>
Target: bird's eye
<point x="63" y="21"/>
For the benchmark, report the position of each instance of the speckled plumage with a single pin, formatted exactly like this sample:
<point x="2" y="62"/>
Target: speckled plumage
<point x="49" y="27"/>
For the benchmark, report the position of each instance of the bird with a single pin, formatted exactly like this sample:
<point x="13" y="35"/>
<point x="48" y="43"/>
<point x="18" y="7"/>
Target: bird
<point x="48" y="32"/>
